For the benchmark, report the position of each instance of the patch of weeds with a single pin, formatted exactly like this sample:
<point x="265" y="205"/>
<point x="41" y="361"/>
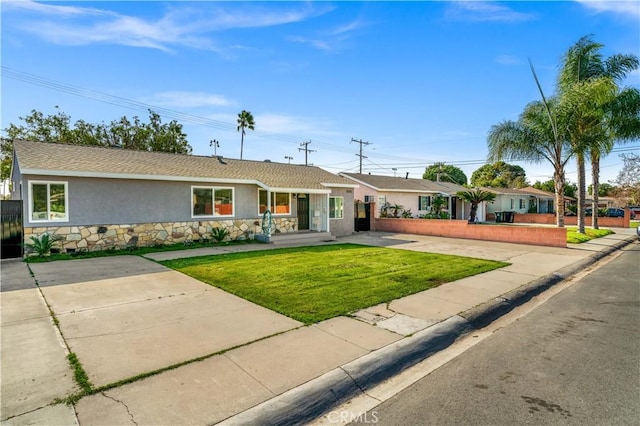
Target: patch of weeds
<point x="79" y="374"/>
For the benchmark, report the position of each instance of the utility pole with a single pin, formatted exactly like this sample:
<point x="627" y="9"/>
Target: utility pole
<point x="215" y="144"/>
<point x="361" y="142"/>
<point x="286" y="157"/>
<point x="394" y="171"/>
<point x="306" y="151"/>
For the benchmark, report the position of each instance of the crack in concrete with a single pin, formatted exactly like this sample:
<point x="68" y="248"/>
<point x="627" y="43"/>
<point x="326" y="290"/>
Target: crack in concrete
<point x="121" y="402"/>
<point x="364" y="392"/>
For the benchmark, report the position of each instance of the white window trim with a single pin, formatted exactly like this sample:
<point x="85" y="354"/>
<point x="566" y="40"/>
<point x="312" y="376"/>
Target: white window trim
<point x="213" y="201"/>
<point x="30" y="184"/>
<point x="334" y="205"/>
<point x="272" y="207"/>
<point x="429" y="201"/>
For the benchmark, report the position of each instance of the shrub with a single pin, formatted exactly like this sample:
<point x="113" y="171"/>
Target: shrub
<point x="42" y="245"/>
<point x="219" y="234"/>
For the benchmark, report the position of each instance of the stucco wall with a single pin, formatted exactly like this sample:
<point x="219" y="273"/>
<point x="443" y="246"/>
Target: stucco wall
<point x="122" y="201"/>
<point x="344" y="226"/>
<point x="542" y="236"/>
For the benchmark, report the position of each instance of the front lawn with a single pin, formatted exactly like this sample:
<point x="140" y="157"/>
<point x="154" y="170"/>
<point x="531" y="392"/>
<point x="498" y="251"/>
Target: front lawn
<point x="311" y="284"/>
<point x="575" y="238"/>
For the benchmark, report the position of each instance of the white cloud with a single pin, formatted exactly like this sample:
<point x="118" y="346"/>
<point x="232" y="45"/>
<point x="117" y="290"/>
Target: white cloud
<point x="332" y="39"/>
<point x="628" y="8"/>
<point x="480" y="11"/>
<point x="180" y="25"/>
<point x="508" y="60"/>
<point x="179" y="99"/>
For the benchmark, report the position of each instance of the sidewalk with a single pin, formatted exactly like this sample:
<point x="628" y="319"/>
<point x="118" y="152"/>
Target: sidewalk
<point x="282" y="373"/>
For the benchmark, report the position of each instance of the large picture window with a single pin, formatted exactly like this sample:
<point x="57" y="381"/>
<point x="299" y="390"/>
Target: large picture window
<point x="211" y="201"/>
<point x="48" y="202"/>
<point x="280" y="202"/>
<point x="336" y="207"/>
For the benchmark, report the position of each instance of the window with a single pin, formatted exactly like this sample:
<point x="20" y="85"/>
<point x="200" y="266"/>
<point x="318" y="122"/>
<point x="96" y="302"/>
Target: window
<point x="424" y="202"/>
<point x="280" y="202"/>
<point x="512" y="204"/>
<point x="523" y="203"/>
<point x="382" y="199"/>
<point x="336" y="207"/>
<point x="48" y="201"/>
<point x="210" y="201"/>
<point x="369" y="198"/>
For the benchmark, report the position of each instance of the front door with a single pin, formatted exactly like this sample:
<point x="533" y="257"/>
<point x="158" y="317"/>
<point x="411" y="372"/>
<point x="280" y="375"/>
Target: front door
<point x="454" y="207"/>
<point x="303" y="212"/>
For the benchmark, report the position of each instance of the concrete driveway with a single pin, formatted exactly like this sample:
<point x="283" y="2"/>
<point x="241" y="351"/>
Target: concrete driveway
<point x="124" y="316"/>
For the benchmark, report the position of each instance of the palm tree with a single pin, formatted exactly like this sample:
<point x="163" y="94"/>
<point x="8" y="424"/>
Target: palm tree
<point x="534" y="138"/>
<point x="475" y="197"/>
<point x="616" y="118"/>
<point x="245" y="121"/>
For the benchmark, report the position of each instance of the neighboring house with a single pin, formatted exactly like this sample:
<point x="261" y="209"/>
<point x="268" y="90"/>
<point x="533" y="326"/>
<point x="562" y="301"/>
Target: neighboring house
<point x="541" y="201"/>
<point x="523" y="200"/>
<point x="95" y="197"/>
<point x="509" y="200"/>
<point x="413" y="194"/>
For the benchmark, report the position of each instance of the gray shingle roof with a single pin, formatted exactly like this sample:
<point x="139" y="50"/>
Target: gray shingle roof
<point x="400" y="184"/>
<point x="77" y="160"/>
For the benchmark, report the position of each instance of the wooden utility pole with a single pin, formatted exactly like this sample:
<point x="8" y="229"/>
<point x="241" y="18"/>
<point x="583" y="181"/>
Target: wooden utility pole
<point x="361" y="142"/>
<point x="306" y="151"/>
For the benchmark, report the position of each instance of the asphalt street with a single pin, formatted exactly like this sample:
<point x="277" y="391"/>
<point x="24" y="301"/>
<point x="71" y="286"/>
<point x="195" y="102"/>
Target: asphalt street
<point x="573" y="360"/>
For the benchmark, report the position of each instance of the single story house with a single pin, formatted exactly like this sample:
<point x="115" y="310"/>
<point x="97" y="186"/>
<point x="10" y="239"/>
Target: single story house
<point x="413" y="194"/>
<point x="523" y="200"/>
<point x="96" y="197"/>
<point x="509" y="200"/>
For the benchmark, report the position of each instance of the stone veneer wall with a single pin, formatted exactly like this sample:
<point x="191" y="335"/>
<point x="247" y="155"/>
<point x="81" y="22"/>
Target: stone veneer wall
<point x="99" y="237"/>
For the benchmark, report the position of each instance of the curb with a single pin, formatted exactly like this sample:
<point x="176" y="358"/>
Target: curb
<point x="311" y="400"/>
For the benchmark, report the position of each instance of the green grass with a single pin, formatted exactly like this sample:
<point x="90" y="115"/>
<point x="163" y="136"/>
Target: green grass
<point x="634" y="223"/>
<point x="311" y="284"/>
<point x="575" y="238"/>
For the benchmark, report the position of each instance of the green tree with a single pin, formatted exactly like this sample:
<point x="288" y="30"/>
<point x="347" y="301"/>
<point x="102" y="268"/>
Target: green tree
<point x="441" y="172"/>
<point x="245" y="121"/>
<point x="57" y="128"/>
<point x="601" y="112"/>
<point x="534" y="138"/>
<point x="604" y="190"/>
<point x="499" y="175"/>
<point x="475" y="197"/>
<point x="549" y="186"/>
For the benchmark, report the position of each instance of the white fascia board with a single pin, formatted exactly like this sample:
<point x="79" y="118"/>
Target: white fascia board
<point x="360" y="182"/>
<point x="140" y="177"/>
<point x="340" y="185"/>
<point x="301" y="190"/>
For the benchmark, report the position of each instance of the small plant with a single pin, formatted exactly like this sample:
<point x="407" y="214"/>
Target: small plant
<point x="44" y="244"/>
<point x="219" y="234"/>
<point x="406" y="214"/>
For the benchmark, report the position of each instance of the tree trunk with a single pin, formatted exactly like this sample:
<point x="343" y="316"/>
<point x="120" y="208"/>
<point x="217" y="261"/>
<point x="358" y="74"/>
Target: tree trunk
<point x="472" y="214"/>
<point x="558" y="183"/>
<point x="241" y="142"/>
<point x="581" y="191"/>
<point x="595" y="177"/>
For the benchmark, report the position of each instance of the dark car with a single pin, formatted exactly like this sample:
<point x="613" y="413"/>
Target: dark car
<point x="611" y="212"/>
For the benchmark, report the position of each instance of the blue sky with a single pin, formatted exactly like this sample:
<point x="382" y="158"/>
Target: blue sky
<point x="421" y="81"/>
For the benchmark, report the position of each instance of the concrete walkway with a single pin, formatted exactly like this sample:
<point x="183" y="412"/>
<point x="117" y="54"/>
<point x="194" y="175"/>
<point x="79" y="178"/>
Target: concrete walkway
<point x="214" y="356"/>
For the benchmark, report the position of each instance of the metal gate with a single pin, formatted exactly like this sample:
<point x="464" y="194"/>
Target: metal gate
<point x="362" y="213"/>
<point x="11" y="211"/>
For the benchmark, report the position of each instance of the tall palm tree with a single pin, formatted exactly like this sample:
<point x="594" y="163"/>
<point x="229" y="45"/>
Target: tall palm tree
<point x="475" y="197"/>
<point x="609" y="120"/>
<point x="245" y="121"/>
<point x="534" y="138"/>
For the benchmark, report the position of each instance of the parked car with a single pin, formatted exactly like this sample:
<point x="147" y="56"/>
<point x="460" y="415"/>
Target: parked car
<point x="610" y="212"/>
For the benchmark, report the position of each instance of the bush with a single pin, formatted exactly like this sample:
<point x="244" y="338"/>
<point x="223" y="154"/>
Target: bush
<point x="44" y="244"/>
<point x="219" y="234"/>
